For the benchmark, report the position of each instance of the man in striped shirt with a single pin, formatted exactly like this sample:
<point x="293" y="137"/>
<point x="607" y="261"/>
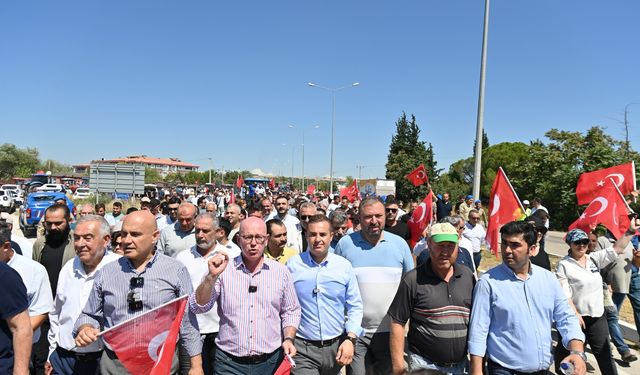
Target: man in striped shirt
<point x="436" y="297"/>
<point x="257" y="304"/>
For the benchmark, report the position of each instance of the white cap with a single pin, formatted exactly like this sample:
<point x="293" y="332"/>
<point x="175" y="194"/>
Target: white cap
<point x="525" y="202"/>
<point x="7" y="217"/>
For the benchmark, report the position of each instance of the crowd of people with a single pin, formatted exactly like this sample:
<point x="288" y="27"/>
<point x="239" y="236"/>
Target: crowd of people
<point x="329" y="282"/>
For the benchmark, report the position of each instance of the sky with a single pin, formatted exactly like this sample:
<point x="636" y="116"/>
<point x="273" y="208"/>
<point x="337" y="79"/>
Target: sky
<point x="218" y="83"/>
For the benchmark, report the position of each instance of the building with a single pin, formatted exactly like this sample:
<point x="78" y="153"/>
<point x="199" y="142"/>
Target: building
<point x="163" y="165"/>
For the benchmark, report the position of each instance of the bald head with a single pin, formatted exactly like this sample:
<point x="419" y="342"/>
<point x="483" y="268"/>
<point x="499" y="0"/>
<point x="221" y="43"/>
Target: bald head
<point x="139" y="236"/>
<point x="251" y="224"/>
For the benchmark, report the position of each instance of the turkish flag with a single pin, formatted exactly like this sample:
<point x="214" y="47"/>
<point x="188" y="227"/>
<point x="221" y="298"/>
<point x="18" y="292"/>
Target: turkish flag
<point x="311" y="189"/>
<point x="239" y="181"/>
<point x="146" y="344"/>
<point x="272" y="184"/>
<point x="351" y="192"/>
<point x="590" y="183"/>
<point x="504" y="207"/>
<point x="232" y="197"/>
<point x="418" y="176"/>
<point x="420" y="218"/>
<point x="285" y="366"/>
<point x="609" y="208"/>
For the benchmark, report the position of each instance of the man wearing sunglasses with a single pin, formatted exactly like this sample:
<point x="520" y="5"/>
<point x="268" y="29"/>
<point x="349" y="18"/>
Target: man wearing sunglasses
<point x="307" y="210"/>
<point x="257" y="303"/>
<point x="392" y="224"/>
<point x="138" y="282"/>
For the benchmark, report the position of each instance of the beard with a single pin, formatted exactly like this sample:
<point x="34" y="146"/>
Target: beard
<point x="56" y="237"/>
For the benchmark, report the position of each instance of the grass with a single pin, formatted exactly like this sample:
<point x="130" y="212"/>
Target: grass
<point x="489" y="261"/>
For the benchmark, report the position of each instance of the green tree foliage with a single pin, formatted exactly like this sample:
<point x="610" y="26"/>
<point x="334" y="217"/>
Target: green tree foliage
<point x="151" y="175"/>
<point x="55" y="167"/>
<point x="406" y="152"/>
<point x="17" y="162"/>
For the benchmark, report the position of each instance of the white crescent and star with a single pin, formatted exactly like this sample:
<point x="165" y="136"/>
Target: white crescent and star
<point x="496" y="204"/>
<point x="603" y="205"/>
<point x="421" y="175"/>
<point x="155" y="344"/>
<point x="618" y="176"/>
<point x="423" y="210"/>
<point x="615" y="216"/>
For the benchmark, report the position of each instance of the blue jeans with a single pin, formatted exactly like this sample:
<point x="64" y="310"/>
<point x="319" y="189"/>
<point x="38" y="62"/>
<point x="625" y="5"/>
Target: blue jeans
<point x="477" y="257"/>
<point x="612" y="321"/>
<point x="225" y="365"/>
<point x="634" y="295"/>
<point x="418" y="362"/>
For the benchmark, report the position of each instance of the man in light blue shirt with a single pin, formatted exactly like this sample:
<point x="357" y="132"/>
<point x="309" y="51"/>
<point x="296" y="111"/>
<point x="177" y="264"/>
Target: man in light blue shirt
<point x="514" y="306"/>
<point x="327" y="288"/>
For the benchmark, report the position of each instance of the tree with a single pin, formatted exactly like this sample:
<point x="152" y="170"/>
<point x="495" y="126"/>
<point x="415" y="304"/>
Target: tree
<point x="485" y="142"/>
<point x="151" y="176"/>
<point x="406" y="152"/>
<point x="17" y="162"/>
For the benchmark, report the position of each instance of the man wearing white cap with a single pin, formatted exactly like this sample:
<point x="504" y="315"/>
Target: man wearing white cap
<point x="527" y="209"/>
<point x="19" y="244"/>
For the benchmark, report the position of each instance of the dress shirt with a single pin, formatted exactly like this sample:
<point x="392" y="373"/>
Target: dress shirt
<point x="173" y="239"/>
<point x="251" y="323"/>
<point x="26" y="246"/>
<point x="36" y="279"/>
<point x="294" y="231"/>
<point x="511" y="318"/>
<point x="163" y="221"/>
<point x="165" y="279"/>
<point x="476" y="235"/>
<point x="74" y="287"/>
<point x="198" y="268"/>
<point x="325" y="292"/>
<point x="584" y="284"/>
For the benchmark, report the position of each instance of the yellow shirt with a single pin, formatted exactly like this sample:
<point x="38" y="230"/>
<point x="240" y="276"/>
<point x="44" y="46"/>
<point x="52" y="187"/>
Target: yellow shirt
<point x="284" y="257"/>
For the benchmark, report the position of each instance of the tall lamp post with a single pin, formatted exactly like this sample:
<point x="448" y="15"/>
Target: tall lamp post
<point x="333" y="121"/>
<point x="303" y="177"/>
<point x="626" y="128"/>
<point x="480" y="118"/>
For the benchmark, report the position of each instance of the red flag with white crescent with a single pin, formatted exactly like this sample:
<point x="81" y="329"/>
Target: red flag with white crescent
<point x="504" y="207"/>
<point x="420" y="218"/>
<point x="590" y="183"/>
<point x="418" y="176"/>
<point x="146" y="343"/>
<point x="608" y="208"/>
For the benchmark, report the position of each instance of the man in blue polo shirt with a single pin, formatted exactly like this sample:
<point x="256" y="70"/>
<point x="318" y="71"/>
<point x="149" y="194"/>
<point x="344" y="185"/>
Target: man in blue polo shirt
<point x="379" y="260"/>
<point x="15" y="326"/>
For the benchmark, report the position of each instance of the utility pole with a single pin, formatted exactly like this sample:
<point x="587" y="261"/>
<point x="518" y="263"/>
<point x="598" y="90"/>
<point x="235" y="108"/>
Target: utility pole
<point x="359" y="172"/>
<point x="626" y="129"/>
<point x="477" y="172"/>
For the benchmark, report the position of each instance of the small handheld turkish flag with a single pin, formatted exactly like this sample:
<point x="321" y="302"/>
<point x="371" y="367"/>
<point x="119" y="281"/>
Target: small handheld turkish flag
<point x="418" y="176"/>
<point x="590" y="183"/>
<point x="285" y="366"/>
<point x="504" y="207"/>
<point x="420" y="218"/>
<point x="239" y="181"/>
<point x="609" y="209"/>
<point x="146" y="343"/>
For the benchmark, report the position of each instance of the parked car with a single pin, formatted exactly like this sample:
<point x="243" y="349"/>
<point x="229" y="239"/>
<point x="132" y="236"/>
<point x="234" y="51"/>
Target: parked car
<point x="82" y="193"/>
<point x="52" y="187"/>
<point x="17" y="193"/>
<point x="33" y="209"/>
<point x="6" y="201"/>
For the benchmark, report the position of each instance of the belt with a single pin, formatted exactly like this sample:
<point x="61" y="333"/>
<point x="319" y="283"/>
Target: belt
<point x="493" y="364"/>
<point x="446" y="364"/>
<point x="250" y="360"/>
<point x="83" y="357"/>
<point x="322" y="343"/>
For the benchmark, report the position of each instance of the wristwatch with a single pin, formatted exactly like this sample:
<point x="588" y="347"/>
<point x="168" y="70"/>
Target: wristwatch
<point x="581" y="354"/>
<point x="352" y="338"/>
<point x="290" y="338"/>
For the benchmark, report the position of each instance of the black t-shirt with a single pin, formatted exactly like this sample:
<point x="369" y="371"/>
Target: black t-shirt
<point x="51" y="259"/>
<point x="443" y="209"/>
<point x="439" y="312"/>
<point x="400" y="229"/>
<point x="14" y="301"/>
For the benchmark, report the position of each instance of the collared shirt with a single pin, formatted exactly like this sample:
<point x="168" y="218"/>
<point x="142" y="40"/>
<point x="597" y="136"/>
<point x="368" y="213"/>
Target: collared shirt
<point x="511" y="318"/>
<point x="36" y="279"/>
<point x="26" y="246"/>
<point x="112" y="220"/>
<point x="173" y="239"/>
<point x="294" y="231"/>
<point x="163" y="221"/>
<point x="251" y="323"/>
<point x="287" y="253"/>
<point x="165" y="279"/>
<point x="325" y="292"/>
<point x="475" y="234"/>
<point x="378" y="270"/>
<point x="584" y="284"/>
<point x="198" y="268"/>
<point x="439" y="312"/>
<point x="74" y="286"/>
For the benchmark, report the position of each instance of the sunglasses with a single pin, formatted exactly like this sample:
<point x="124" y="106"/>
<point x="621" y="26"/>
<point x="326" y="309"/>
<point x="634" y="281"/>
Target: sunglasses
<point x="392" y="210"/>
<point x="581" y="242"/>
<point x="133" y="299"/>
<point x="305" y="217"/>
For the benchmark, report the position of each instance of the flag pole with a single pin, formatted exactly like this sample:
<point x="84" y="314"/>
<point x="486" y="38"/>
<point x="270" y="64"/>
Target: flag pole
<point x="621" y="196"/>
<point x="139" y="315"/>
<point x="512" y="190"/>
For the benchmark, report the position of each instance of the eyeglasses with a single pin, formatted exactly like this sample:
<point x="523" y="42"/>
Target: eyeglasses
<point x="133" y="298"/>
<point x="258" y="238"/>
<point x="460" y="228"/>
<point x="581" y="242"/>
<point x="305" y="217"/>
<point x="473" y="218"/>
<point x="392" y="210"/>
<point x="173" y="209"/>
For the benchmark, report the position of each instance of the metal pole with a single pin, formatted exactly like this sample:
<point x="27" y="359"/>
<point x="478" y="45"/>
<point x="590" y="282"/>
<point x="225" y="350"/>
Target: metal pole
<point x="210" y="168"/>
<point x="333" y="123"/>
<point x="480" y="119"/>
<point x="302" y="184"/>
<point x="293" y="149"/>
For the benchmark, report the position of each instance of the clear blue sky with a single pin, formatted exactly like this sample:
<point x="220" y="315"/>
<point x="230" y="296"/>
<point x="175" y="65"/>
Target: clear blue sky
<point x="83" y="80"/>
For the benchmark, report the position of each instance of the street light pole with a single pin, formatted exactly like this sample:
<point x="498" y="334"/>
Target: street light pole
<point x="210" y="168"/>
<point x="333" y="122"/>
<point x="480" y="119"/>
<point x="626" y="129"/>
<point x="303" y="176"/>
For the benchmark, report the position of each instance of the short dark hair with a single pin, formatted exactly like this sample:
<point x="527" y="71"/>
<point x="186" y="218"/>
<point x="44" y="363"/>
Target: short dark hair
<point x="319" y="219"/>
<point x="63" y="207"/>
<point x="131" y="209"/>
<point x="117" y="204"/>
<point x="224" y="224"/>
<point x="5" y="233"/>
<point x="99" y="206"/>
<point x="272" y="222"/>
<point x="175" y="200"/>
<point x="527" y="230"/>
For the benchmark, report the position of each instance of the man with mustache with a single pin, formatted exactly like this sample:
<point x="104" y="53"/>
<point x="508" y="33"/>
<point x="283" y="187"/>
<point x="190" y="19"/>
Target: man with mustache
<point x="277" y="243"/>
<point x="379" y="260"/>
<point x="195" y="259"/>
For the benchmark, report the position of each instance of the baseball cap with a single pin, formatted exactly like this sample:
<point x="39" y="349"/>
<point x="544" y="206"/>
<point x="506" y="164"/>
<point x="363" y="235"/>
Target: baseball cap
<point x="469" y="196"/>
<point x="443" y="232"/>
<point x="575" y="235"/>
<point x="7" y="217"/>
<point x="145" y="200"/>
<point x="525" y="202"/>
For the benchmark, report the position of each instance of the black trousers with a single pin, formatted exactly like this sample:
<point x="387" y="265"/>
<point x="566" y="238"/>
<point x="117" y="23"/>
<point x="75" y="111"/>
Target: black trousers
<point x="597" y="336"/>
<point x="208" y="354"/>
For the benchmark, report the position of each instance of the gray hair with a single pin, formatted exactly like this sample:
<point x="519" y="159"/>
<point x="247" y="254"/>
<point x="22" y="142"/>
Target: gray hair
<point x="103" y="224"/>
<point x="454" y="220"/>
<point x="338" y="217"/>
<point x="307" y="205"/>
<point x="368" y="201"/>
<point x="210" y="216"/>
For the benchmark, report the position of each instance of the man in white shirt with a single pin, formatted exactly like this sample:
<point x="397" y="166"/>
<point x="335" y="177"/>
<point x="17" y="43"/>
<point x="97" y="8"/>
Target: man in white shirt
<point x="90" y="240"/>
<point x="294" y="229"/>
<point x="19" y="244"/>
<point x="195" y="259"/>
<point x="476" y="234"/>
